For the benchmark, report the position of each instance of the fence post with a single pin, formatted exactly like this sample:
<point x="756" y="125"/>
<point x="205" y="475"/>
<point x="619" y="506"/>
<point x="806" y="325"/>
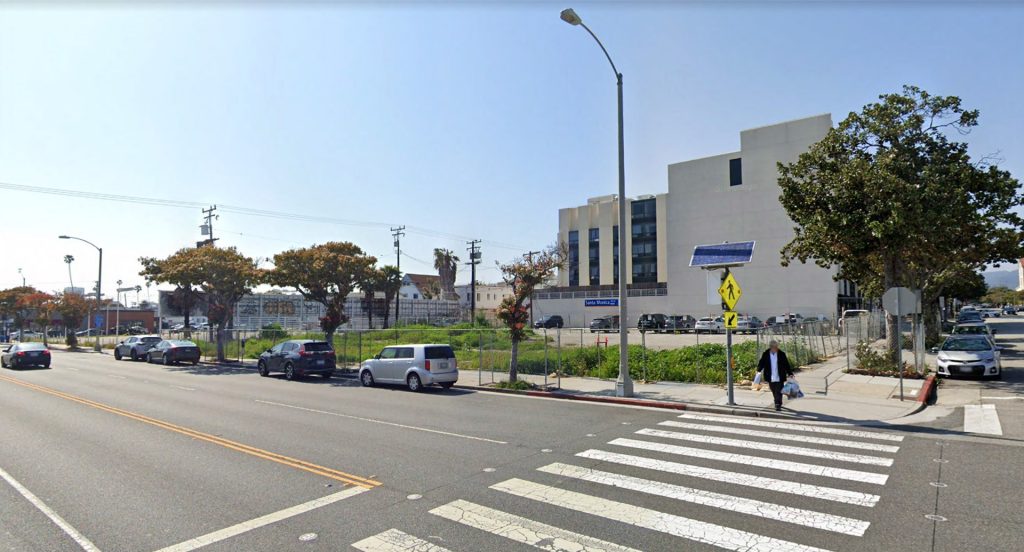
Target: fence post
<point x="696" y="332"/>
<point x="359" y="353"/>
<point x="480" y="366"/>
<point x="558" y="336"/>
<point x="546" y="368"/>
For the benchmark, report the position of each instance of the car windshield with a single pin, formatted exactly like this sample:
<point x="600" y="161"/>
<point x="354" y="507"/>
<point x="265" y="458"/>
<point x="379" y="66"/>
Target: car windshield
<point x="972" y="344"/>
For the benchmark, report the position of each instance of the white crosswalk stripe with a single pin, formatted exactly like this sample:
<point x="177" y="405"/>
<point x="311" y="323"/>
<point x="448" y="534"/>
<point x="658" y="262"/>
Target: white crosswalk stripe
<point x="792" y="426"/>
<point x="784" y="436"/>
<point x="746" y="480"/>
<point x="394" y="540"/>
<point x="520" y="529"/>
<point x="771" y="447"/>
<point x="798" y="467"/>
<point x="609" y="484"/>
<point x="699" y="531"/>
<point x="798" y="516"/>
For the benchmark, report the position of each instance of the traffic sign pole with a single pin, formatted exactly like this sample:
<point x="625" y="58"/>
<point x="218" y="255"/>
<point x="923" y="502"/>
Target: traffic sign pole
<point x="728" y="366"/>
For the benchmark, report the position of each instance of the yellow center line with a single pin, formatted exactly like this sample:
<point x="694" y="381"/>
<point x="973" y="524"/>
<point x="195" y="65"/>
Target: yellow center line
<point x="233" y="445"/>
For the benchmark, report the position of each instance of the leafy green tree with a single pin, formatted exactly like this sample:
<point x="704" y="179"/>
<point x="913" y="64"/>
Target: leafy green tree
<point x="370" y="283"/>
<point x="390" y="283"/>
<point x="968" y="287"/>
<point x="223" y="275"/>
<point x="38" y="307"/>
<point x="10" y="300"/>
<point x="892" y="200"/>
<point x="523" y="275"/>
<point x="325" y="273"/>
<point x="999" y="296"/>
<point x="73" y="309"/>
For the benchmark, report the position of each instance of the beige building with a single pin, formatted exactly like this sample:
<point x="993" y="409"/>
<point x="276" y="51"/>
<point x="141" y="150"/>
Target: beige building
<point x="730" y="197"/>
<point x="488" y="297"/>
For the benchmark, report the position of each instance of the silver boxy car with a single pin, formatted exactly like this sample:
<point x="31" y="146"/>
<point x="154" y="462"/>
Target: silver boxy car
<point x="412" y="365"/>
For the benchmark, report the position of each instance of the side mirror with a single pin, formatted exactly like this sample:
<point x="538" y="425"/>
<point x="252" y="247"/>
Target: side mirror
<point x="267" y="351"/>
<point x="934" y="350"/>
<point x="376" y="356"/>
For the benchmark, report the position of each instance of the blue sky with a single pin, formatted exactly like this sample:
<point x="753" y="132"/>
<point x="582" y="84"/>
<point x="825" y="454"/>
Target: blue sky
<point x="461" y="120"/>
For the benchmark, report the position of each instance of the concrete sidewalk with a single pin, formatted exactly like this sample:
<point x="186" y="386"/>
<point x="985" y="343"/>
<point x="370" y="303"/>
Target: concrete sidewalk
<point x="829" y="394"/>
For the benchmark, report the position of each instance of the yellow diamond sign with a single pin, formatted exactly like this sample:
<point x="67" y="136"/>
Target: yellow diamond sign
<point x="730" y="291"/>
<point x="730" y="318"/>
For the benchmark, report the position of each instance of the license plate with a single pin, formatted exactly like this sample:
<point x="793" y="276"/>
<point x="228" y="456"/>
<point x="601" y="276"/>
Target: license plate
<point x="320" y="363"/>
<point x="966" y="369"/>
<point x="442" y="365"/>
<point x="34" y="353"/>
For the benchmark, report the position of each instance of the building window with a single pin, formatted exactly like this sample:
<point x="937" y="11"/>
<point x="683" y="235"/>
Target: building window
<point x="615" y="254"/>
<point x="477" y="296"/>
<point x="735" y="172"/>
<point x="574" y="258"/>
<point x="594" y="255"/>
<point x="644" y="229"/>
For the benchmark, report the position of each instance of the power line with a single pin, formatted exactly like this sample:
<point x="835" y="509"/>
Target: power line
<point x="180" y="204"/>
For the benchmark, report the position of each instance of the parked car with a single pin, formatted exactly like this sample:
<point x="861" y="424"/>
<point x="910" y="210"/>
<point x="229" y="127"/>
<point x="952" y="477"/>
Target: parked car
<point x="969" y="316"/>
<point x="23" y="335"/>
<point x="748" y="324"/>
<point x="969" y="355"/>
<point x="173" y="351"/>
<point x="135" y="347"/>
<point x="974" y="328"/>
<point x="91" y="332"/>
<point x="1010" y="310"/>
<point x="298" y="358"/>
<point x="137" y="330"/>
<point x="412" y="365"/>
<point x="990" y="312"/>
<point x="549" y="321"/>
<point x="709" y="325"/>
<point x="608" y="323"/>
<point x="679" y="323"/>
<point x="22" y="355"/>
<point x="651" y="322"/>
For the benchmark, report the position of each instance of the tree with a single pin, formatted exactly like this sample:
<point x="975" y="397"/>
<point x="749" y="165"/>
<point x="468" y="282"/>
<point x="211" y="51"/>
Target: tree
<point x="999" y="296"/>
<point x="70" y="259"/>
<point x="446" y="263"/>
<point x="185" y="295"/>
<point x="39" y="307"/>
<point x="523" y="275"/>
<point x="369" y="284"/>
<point x="390" y="284"/>
<point x="431" y="290"/>
<point x="324" y="273"/>
<point x="223" y="274"/>
<point x="891" y="200"/>
<point x="9" y="304"/>
<point x="73" y="309"/>
<point x="968" y="287"/>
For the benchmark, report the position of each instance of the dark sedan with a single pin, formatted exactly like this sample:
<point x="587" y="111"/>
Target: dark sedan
<point x="298" y="358"/>
<point x="22" y="355"/>
<point x="173" y="351"/>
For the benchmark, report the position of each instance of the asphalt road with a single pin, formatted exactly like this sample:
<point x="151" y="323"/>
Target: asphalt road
<point x="120" y="456"/>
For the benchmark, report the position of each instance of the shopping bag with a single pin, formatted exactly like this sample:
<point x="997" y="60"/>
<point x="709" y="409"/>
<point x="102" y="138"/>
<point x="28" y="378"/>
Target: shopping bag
<point x="787" y="389"/>
<point x="795" y="392"/>
<point x="757" y="378"/>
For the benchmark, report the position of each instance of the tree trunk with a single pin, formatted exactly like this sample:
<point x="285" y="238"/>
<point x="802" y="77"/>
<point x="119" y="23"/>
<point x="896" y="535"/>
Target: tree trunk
<point x="387" y="312"/>
<point x="72" y="340"/>
<point x="220" y="342"/>
<point x="891" y="322"/>
<point x="46" y="336"/>
<point x="513" y="365"/>
<point x="932" y="319"/>
<point x="329" y="338"/>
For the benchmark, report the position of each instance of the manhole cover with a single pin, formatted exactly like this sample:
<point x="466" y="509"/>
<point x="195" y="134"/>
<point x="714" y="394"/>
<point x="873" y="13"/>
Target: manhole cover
<point x="306" y="537"/>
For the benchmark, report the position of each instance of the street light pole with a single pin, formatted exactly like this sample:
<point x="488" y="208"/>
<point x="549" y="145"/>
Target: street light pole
<point x="99" y="284"/>
<point x="624" y="385"/>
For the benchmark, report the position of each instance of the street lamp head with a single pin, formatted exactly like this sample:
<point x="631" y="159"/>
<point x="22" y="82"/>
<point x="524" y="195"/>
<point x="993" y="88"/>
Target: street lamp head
<point x="570" y="17"/>
<point x="63" y="237"/>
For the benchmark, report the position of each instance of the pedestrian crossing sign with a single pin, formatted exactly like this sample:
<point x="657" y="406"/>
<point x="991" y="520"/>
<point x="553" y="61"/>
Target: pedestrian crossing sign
<point x="730" y="291"/>
<point x="730" y="319"/>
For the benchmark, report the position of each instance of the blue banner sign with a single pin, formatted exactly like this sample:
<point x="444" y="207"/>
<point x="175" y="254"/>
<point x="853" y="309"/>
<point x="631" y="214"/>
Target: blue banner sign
<point x="600" y="302"/>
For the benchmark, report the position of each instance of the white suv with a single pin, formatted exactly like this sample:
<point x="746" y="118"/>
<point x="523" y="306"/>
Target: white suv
<point x="411" y="365"/>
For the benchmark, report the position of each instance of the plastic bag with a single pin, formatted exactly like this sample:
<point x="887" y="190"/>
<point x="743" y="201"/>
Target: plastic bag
<point x="757" y="378"/>
<point x="794" y="390"/>
<point x="787" y="389"/>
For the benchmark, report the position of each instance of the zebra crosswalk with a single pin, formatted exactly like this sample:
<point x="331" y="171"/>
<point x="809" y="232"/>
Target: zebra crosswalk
<point x="655" y="482"/>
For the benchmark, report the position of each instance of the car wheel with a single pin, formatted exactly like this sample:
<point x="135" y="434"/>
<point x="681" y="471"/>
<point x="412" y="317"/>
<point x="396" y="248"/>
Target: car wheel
<point x="135" y="356"/>
<point x="167" y="360"/>
<point x="195" y="362"/>
<point x="149" y="359"/>
<point x="366" y="378"/>
<point x="262" y="368"/>
<point x="327" y="375"/>
<point x="117" y="353"/>
<point x="289" y="372"/>
<point x="414" y="383"/>
<point x="3" y="364"/>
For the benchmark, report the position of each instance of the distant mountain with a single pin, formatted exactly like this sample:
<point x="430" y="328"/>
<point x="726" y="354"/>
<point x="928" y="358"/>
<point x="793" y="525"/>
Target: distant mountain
<point x="1001" y="278"/>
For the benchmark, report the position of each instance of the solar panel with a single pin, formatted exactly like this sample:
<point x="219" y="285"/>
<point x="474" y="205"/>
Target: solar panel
<point x="722" y="254"/>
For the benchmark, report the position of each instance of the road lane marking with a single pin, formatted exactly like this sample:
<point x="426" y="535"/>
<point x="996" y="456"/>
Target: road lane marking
<point x="785" y="436"/>
<point x="767" y="510"/>
<point x="743" y="479"/>
<point x="775" y="463"/>
<point x="183" y="388"/>
<point x="982" y="418"/>
<point x="115" y="376"/>
<point x="382" y="422"/>
<point x="70" y="531"/>
<point x="1002" y="398"/>
<point x="523" y="530"/>
<point x="771" y="447"/>
<point x="699" y="531"/>
<point x="795" y="427"/>
<point x="394" y="540"/>
<point x="79" y="369"/>
<point x="233" y="445"/>
<point x="261" y="521"/>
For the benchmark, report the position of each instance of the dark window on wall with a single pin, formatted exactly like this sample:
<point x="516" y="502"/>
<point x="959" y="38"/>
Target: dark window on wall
<point x="594" y="255"/>
<point x="615" y="254"/>
<point x="736" y="172"/>
<point x="574" y="258"/>
<point x="644" y="229"/>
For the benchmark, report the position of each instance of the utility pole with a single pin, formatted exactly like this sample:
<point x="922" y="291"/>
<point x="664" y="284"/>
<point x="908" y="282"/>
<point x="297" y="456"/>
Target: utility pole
<point x="397" y="233"/>
<point x="207" y="229"/>
<point x="474" y="259"/>
<point x="529" y="255"/>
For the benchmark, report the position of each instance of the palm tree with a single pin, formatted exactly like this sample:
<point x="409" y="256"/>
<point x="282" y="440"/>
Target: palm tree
<point x="69" y="259"/>
<point x="369" y="283"/>
<point x="446" y="263"/>
<point x="391" y="284"/>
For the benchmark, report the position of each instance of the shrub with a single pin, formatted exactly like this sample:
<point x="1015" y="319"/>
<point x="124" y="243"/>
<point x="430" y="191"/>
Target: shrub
<point x="273" y="332"/>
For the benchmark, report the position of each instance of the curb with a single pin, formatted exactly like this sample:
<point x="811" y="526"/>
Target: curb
<point x="678" y="406"/>
<point x="929" y="389"/>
